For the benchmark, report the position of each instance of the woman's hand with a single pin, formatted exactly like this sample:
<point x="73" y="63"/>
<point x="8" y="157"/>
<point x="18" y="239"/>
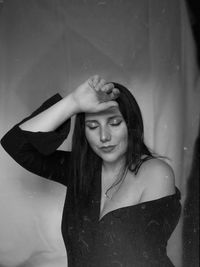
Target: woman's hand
<point x="95" y="95"/>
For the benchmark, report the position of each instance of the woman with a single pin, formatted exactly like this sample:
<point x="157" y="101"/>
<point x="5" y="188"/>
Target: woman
<point x="121" y="204"/>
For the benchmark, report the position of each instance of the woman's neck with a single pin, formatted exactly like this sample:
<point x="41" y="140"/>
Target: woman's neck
<point x="113" y="169"/>
<point x="112" y="174"/>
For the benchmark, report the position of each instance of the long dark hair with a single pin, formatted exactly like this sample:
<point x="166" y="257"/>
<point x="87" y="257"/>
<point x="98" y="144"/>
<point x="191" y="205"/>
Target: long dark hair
<point x="85" y="162"/>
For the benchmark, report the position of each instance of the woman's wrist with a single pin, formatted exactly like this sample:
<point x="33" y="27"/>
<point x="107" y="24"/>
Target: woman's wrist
<point x="72" y="104"/>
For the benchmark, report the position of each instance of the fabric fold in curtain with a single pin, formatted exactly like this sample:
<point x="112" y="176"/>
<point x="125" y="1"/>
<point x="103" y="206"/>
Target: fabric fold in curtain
<point x="52" y="46"/>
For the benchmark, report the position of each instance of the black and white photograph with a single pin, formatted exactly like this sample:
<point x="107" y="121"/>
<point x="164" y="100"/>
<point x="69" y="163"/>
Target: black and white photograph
<point x="99" y="116"/>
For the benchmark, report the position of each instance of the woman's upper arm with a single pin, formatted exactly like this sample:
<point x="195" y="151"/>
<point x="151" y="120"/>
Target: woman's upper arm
<point x="37" y="151"/>
<point x="50" y="165"/>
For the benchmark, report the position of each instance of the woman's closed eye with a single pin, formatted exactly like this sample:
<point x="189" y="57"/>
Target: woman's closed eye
<point x="92" y="125"/>
<point x="115" y="122"/>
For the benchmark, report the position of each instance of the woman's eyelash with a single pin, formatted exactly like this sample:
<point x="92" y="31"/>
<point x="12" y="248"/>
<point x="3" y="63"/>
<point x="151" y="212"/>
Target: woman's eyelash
<point x="116" y="123"/>
<point x="92" y="127"/>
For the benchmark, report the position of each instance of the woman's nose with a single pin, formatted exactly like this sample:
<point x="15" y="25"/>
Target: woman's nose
<point x="105" y="135"/>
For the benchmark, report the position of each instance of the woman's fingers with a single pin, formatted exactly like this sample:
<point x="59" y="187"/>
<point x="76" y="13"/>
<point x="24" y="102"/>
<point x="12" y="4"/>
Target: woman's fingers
<point x="107" y="88"/>
<point x="100" y="84"/>
<point x="105" y="91"/>
<point x="104" y="96"/>
<point x="93" y="81"/>
<point x="114" y="93"/>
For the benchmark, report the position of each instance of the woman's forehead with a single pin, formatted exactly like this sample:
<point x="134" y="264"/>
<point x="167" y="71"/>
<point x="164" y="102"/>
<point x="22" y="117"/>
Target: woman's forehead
<point x="113" y="111"/>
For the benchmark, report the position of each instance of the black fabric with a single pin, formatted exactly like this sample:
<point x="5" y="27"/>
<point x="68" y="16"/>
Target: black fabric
<point x="133" y="236"/>
<point x="36" y="151"/>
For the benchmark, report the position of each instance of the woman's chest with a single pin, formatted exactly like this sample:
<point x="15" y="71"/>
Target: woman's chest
<point x="125" y="194"/>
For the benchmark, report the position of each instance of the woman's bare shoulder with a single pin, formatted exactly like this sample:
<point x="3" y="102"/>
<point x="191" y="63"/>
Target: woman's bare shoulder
<point x="157" y="178"/>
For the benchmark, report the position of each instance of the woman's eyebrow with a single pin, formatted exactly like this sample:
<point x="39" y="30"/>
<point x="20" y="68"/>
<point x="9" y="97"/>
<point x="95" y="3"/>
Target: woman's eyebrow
<point x="115" y="116"/>
<point x="108" y="118"/>
<point x="91" y="120"/>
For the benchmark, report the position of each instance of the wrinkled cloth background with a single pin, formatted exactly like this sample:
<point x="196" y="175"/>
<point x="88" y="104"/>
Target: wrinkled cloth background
<point x="49" y="46"/>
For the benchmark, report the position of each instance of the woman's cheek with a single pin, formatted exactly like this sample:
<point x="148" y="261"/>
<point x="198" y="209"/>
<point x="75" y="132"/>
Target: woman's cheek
<point x="91" y="140"/>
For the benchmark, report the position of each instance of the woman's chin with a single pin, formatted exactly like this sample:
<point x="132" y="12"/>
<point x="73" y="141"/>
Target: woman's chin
<point x="110" y="158"/>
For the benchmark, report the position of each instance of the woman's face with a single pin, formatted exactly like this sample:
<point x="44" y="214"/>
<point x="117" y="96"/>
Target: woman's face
<point x="107" y="134"/>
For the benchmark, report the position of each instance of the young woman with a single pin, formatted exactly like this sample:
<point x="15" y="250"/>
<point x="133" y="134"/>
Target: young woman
<point x="121" y="204"/>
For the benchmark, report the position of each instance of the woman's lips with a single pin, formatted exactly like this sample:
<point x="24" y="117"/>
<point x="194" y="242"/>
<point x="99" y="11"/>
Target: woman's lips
<point x="107" y="149"/>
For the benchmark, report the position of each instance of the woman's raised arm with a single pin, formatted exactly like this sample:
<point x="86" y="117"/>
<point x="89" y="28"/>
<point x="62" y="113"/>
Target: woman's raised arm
<point x="92" y="96"/>
<point x="51" y="118"/>
<point x="33" y="142"/>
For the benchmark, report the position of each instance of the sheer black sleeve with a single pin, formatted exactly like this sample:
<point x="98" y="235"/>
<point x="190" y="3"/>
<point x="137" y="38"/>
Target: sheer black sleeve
<point x="36" y="151"/>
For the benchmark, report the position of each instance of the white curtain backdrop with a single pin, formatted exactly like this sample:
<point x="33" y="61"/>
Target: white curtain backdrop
<point x="49" y="46"/>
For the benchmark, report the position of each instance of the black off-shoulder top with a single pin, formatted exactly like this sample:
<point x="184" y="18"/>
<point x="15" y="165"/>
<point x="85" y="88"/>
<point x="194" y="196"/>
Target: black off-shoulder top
<point x="132" y="236"/>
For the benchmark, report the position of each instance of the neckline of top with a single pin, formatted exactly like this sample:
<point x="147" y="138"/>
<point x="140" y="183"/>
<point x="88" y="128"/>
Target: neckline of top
<point x="176" y="195"/>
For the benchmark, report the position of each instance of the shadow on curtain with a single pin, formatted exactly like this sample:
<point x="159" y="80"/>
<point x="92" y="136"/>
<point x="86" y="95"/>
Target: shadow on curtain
<point x="191" y="212"/>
